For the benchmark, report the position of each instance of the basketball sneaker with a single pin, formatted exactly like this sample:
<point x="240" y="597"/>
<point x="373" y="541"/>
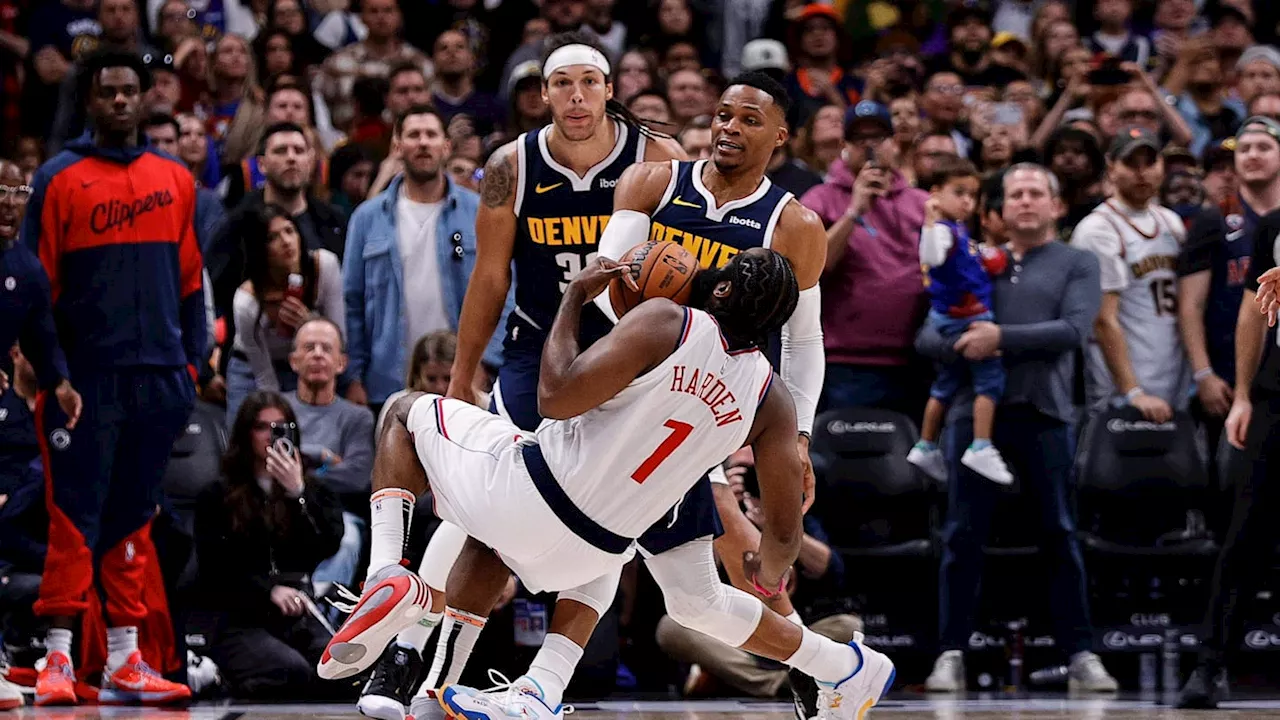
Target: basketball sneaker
<point x="426" y="706"/>
<point x="851" y="698"/>
<point x="394" y="598"/>
<point x="56" y="683"/>
<point x="521" y="698"/>
<point x="392" y="684"/>
<point x="136" y="683"/>
<point x="10" y="695"/>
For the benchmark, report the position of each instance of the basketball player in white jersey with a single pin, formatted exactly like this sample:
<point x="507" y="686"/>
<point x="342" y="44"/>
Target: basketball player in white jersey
<point x="664" y="394"/>
<point x="1136" y="355"/>
<point x="546" y="198"/>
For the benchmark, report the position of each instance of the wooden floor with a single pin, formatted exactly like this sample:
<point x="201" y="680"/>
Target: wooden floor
<point x="895" y="708"/>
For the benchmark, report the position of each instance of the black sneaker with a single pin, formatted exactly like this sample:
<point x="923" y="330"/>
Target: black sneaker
<point x="804" y="693"/>
<point x="1206" y="687"/>
<point x="391" y="686"/>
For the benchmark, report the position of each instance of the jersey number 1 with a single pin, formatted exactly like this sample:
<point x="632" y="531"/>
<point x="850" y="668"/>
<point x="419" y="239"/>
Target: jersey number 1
<point x="679" y="433"/>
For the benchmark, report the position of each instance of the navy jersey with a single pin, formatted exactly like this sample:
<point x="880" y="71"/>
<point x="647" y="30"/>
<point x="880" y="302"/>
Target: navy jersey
<point x="688" y="215"/>
<point x="1221" y="240"/>
<point x="959" y="287"/>
<point x="560" y="218"/>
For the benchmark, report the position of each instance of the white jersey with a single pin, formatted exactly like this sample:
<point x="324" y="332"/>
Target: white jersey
<point x="1138" y="253"/>
<point x="630" y="460"/>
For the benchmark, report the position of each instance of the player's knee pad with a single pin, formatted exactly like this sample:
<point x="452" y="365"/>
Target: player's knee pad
<point x="442" y="552"/>
<point x="597" y="594"/>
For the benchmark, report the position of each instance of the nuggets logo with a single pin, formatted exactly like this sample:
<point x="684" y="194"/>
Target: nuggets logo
<point x="60" y="439"/>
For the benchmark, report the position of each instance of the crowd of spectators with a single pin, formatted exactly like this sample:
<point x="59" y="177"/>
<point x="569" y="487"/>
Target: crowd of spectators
<point x="336" y="260"/>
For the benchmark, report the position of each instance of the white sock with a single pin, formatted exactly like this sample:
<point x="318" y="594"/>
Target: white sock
<point x="121" y="643"/>
<point x="416" y="636"/>
<point x="59" y="640"/>
<point x="391" y="510"/>
<point x="458" y="635"/>
<point x="553" y="667"/>
<point x="823" y="660"/>
<point x="794" y="617"/>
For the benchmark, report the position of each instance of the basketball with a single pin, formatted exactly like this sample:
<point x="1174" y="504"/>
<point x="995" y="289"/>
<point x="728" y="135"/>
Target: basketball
<point x="661" y="269"/>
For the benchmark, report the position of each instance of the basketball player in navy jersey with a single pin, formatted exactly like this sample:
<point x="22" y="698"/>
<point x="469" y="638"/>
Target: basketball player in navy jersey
<point x="715" y="209"/>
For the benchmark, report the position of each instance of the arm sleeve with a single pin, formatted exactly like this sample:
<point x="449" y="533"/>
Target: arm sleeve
<point x="1204" y="236"/>
<point x="935" y="243"/>
<point x="353" y="295"/>
<point x="195" y="325"/>
<point x="626" y="229"/>
<point x="804" y="363"/>
<point x="1079" y="308"/>
<point x="39" y="336"/>
<point x="1098" y="237"/>
<point x="332" y="303"/>
<point x="247" y="340"/>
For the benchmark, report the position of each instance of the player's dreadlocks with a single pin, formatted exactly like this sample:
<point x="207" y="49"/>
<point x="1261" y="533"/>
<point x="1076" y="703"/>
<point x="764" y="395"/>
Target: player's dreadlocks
<point x="612" y="108"/>
<point x="764" y="296"/>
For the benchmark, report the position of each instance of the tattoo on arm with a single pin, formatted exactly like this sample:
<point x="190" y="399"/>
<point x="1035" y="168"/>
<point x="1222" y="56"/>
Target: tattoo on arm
<point x="499" y="181"/>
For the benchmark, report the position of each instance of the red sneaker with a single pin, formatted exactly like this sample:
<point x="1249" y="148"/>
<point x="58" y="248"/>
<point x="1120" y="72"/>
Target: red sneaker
<point x="135" y="683"/>
<point x="393" y="599"/>
<point x="56" y="683"/>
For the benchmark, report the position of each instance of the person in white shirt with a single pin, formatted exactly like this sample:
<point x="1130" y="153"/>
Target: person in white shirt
<point x="1136" y="354"/>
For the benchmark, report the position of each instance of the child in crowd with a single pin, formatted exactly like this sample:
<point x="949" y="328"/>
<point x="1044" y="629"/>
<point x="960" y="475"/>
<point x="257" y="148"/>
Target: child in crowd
<point x="960" y="295"/>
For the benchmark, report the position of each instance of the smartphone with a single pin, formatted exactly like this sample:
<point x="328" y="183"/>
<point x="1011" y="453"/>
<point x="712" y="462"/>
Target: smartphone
<point x="1108" y="72"/>
<point x="284" y="437"/>
<point x="1006" y="113"/>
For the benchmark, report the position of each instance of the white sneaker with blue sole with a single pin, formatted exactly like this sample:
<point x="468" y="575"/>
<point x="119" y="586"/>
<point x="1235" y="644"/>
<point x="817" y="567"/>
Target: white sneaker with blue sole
<point x="853" y="697"/>
<point x="521" y="698"/>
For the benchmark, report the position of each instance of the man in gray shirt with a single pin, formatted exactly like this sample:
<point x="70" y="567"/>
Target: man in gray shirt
<point x="1045" y="304"/>
<point x="337" y="438"/>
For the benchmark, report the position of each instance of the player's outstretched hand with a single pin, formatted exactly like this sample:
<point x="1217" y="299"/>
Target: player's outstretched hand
<point x="70" y="402"/>
<point x="597" y="275"/>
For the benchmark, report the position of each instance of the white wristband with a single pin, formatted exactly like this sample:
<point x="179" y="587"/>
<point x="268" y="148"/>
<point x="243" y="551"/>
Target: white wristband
<point x="1203" y="373"/>
<point x="1134" y="394"/>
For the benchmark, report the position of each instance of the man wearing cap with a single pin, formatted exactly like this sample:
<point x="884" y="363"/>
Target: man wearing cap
<point x="873" y="220"/>
<point x="767" y="56"/>
<point x="1251" y="426"/>
<point x="817" y="40"/>
<point x="1136" y="355"/>
<point x="1218" y="168"/>
<point x="1214" y="266"/>
<point x="1258" y="73"/>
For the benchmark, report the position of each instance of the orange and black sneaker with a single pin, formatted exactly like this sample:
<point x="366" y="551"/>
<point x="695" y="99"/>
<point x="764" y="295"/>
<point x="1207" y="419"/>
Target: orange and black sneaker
<point x="136" y="683"/>
<point x="56" y="683"/>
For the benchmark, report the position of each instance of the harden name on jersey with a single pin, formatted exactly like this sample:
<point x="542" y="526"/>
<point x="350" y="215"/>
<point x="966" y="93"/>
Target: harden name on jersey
<point x="704" y="385"/>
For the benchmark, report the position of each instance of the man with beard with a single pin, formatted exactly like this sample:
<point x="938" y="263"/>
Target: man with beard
<point x="287" y="159"/>
<point x="1137" y="355"/>
<point x="25" y="314"/>
<point x="1214" y="267"/>
<point x="454" y="91"/>
<point x="1075" y="158"/>
<point x="1205" y="106"/>
<point x="112" y="222"/>
<point x="970" y="34"/>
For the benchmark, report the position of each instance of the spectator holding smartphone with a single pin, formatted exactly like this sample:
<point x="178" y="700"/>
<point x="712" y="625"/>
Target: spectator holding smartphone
<point x="285" y="285"/>
<point x="873" y="220"/>
<point x="260" y="532"/>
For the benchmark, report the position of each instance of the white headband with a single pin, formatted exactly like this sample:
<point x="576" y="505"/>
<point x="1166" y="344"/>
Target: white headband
<point x="576" y="54"/>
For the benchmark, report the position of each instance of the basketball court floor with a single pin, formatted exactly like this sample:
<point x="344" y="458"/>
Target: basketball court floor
<point x="895" y="708"/>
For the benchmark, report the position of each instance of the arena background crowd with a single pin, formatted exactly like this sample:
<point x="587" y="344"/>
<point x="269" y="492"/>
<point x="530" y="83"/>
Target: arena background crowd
<point x="284" y="112"/>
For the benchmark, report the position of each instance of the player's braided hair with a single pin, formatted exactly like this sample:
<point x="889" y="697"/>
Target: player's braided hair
<point x="612" y="108"/>
<point x="765" y="293"/>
